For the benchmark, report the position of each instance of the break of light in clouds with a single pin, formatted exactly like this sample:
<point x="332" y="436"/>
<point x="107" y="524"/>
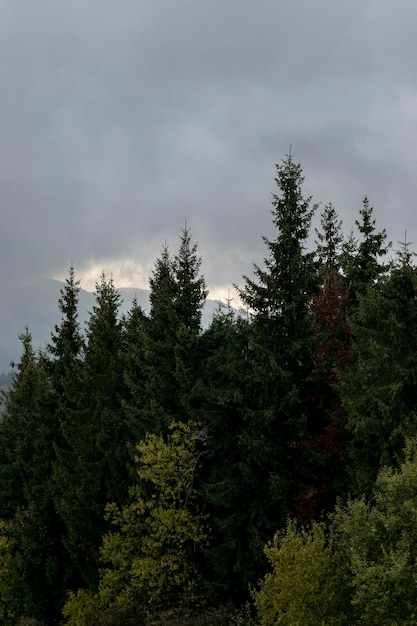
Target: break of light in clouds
<point x="121" y="122"/>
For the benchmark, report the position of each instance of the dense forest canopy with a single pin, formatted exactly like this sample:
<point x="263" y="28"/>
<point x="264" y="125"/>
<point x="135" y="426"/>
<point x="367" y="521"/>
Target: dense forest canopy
<point x="260" y="470"/>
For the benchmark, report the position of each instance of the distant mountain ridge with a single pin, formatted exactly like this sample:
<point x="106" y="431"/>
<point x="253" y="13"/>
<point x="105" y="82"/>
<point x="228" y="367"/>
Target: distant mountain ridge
<point x="35" y="305"/>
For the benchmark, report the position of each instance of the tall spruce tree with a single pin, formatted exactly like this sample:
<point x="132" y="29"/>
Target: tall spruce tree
<point x="378" y="389"/>
<point x="67" y="342"/>
<point x="92" y="466"/>
<point x="331" y="341"/>
<point x="190" y="284"/>
<point x="27" y="435"/>
<point x="279" y="359"/>
<point x="189" y="301"/>
<point x="329" y="241"/>
<point x="363" y="260"/>
<point x="229" y="487"/>
<point x="135" y="375"/>
<point x="279" y="297"/>
<point x="161" y="387"/>
<point x="177" y="294"/>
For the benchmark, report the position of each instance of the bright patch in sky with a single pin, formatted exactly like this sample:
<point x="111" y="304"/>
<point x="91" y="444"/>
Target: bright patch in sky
<point x="124" y="272"/>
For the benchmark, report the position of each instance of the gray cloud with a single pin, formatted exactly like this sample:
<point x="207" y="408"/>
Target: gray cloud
<point x="121" y="121"/>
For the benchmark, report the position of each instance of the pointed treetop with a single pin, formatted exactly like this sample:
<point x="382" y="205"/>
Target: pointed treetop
<point x="329" y="242"/>
<point x="404" y="254"/>
<point x="288" y="273"/>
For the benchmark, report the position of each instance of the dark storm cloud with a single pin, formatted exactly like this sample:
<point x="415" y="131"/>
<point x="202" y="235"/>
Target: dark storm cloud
<point x="121" y="121"/>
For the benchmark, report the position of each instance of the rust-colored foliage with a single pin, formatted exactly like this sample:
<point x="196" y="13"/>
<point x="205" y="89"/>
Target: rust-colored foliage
<point x="322" y="447"/>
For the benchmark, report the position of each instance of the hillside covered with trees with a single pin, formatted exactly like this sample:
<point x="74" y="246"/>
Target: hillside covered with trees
<point x="260" y="471"/>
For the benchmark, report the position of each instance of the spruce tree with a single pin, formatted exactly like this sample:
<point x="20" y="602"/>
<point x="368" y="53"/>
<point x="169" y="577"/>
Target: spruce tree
<point x="135" y="375"/>
<point x="161" y="388"/>
<point x="177" y="294"/>
<point x="378" y="389"/>
<point x="329" y="241"/>
<point x="323" y="443"/>
<point x="93" y="465"/>
<point x="190" y="292"/>
<point x="28" y="432"/>
<point x="363" y="262"/>
<point x="279" y="297"/>
<point x="189" y="301"/>
<point x="67" y="342"/>
<point x="229" y="487"/>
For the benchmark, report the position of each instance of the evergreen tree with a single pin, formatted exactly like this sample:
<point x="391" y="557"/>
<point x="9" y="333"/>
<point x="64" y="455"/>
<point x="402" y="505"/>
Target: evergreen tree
<point x="20" y="418"/>
<point x="330" y="240"/>
<point x="365" y="267"/>
<point x="331" y="348"/>
<point x="189" y="301"/>
<point x="177" y="294"/>
<point x="190" y="285"/>
<point x="280" y="300"/>
<point x="161" y="389"/>
<point x="67" y="343"/>
<point x="93" y="466"/>
<point x="229" y="485"/>
<point x="378" y="389"/>
<point x="135" y="375"/>
<point x="27" y="435"/>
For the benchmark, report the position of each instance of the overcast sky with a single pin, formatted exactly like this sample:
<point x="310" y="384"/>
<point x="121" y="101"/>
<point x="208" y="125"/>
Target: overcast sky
<point x="122" y="120"/>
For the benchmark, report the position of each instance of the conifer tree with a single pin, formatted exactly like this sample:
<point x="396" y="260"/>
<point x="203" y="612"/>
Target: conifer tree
<point x="19" y="419"/>
<point x="363" y="262"/>
<point x="189" y="301"/>
<point x="135" y="375"/>
<point x="229" y="486"/>
<point x="177" y="294"/>
<point x="378" y="389"/>
<point x="331" y="340"/>
<point x="190" y="284"/>
<point x="161" y="388"/>
<point x="67" y="342"/>
<point x="329" y="241"/>
<point x="279" y="297"/>
<point x="92" y="467"/>
<point x="27" y="435"/>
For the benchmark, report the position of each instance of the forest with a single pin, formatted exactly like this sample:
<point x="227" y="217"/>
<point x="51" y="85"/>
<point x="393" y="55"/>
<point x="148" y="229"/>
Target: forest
<point x="260" y="471"/>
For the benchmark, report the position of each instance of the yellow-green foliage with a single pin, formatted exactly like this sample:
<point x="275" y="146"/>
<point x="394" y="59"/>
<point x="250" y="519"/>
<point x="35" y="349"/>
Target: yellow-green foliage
<point x="7" y="579"/>
<point x="377" y="544"/>
<point x="80" y="608"/>
<point x="150" y="555"/>
<point x="298" y="591"/>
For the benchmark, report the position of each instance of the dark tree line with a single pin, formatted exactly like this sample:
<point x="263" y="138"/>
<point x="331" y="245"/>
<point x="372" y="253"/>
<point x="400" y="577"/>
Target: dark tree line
<point x="284" y="408"/>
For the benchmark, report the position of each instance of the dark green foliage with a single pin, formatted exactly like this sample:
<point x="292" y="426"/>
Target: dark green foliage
<point x="172" y="349"/>
<point x="92" y="466"/>
<point x="323" y="443"/>
<point x="281" y="342"/>
<point x="67" y="342"/>
<point x="301" y="400"/>
<point x="189" y="300"/>
<point x="330" y="240"/>
<point x="378" y="390"/>
<point x="362" y="261"/>
<point x="27" y="434"/>
<point x="161" y="386"/>
<point x="190" y="291"/>
<point x="229" y="488"/>
<point x="135" y="366"/>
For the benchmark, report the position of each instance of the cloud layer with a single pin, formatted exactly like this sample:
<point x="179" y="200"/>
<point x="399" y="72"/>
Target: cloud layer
<point x="121" y="121"/>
